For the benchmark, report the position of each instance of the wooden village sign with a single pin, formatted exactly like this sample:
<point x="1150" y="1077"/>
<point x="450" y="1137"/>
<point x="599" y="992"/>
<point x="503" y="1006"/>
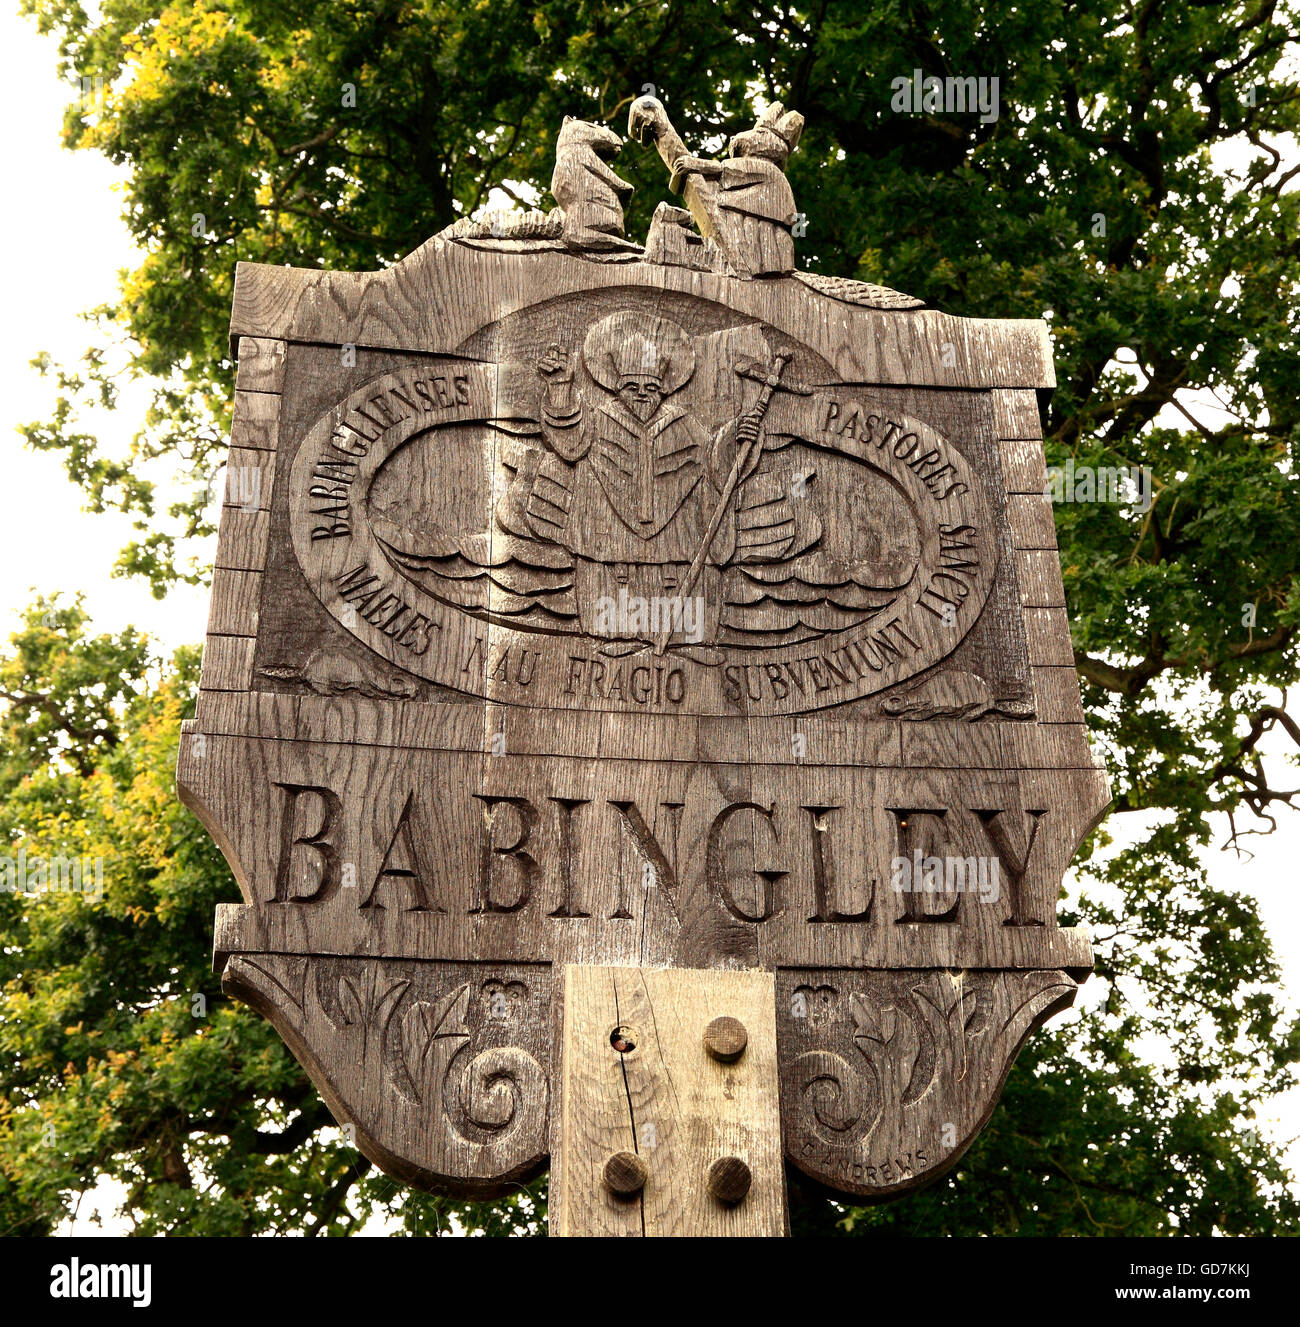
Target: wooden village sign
<point x="637" y="693"/>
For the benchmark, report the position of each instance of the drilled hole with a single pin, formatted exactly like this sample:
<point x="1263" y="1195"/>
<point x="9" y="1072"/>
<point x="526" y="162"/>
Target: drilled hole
<point x="622" y="1040"/>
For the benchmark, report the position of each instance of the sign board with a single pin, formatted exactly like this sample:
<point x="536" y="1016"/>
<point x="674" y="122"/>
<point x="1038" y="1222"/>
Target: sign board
<point x="579" y="602"/>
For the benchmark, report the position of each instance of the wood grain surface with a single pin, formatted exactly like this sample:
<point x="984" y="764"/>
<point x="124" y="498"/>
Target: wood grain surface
<point x="668" y="1102"/>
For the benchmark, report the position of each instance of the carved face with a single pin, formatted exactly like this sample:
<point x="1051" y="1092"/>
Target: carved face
<point x="642" y="394"/>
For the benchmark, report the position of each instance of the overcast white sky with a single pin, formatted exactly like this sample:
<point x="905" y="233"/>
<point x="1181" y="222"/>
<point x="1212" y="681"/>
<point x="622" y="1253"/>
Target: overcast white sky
<point x="65" y="243"/>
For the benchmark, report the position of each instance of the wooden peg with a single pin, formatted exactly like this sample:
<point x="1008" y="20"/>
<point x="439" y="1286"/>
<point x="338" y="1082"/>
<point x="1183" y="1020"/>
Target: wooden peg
<point x="625" y="1174"/>
<point x="725" y="1039"/>
<point x="729" y="1179"/>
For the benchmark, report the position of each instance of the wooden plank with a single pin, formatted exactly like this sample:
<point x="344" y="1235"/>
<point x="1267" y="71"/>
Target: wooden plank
<point x="250" y="474"/>
<point x="667" y="1101"/>
<point x="261" y="365"/>
<point x="955" y="744"/>
<point x="951" y="744"/>
<point x="256" y="420"/>
<point x="1015" y="414"/>
<point x="1032" y="521"/>
<point x="1023" y="466"/>
<point x="1047" y="632"/>
<point x="893" y="945"/>
<point x="227" y="663"/>
<point x="1056" y="694"/>
<point x="819" y="846"/>
<point x="241" y="540"/>
<point x="235" y="596"/>
<point x="1038" y="576"/>
<point x="1059" y="746"/>
<point x="429" y="302"/>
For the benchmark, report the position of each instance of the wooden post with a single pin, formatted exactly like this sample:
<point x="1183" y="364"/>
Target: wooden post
<point x="674" y="1069"/>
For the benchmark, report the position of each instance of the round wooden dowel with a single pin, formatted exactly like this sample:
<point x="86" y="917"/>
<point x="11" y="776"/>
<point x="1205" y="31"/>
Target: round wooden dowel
<point x="729" y="1180"/>
<point x="625" y="1174"/>
<point x="725" y="1039"/>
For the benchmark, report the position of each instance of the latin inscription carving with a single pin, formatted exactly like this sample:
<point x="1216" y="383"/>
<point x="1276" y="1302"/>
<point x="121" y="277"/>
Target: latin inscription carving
<point x="775" y="549"/>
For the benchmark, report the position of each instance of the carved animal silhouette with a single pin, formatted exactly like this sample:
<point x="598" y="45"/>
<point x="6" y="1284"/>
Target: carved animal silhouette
<point x="587" y="190"/>
<point x="744" y="203"/>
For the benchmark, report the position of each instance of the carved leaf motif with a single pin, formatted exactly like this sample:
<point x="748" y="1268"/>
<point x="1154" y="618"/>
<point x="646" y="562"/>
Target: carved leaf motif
<point x="872" y="1021"/>
<point x="978" y="1002"/>
<point x="424" y="1023"/>
<point x="1038" y="991"/>
<point x="890" y="1040"/>
<point x="387" y="1004"/>
<point x="294" y="972"/>
<point x="923" y="1061"/>
<point x="350" y="1002"/>
<point x="937" y="1046"/>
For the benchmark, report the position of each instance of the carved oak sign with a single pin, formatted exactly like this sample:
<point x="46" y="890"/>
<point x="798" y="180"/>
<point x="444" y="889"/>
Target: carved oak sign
<point x="579" y="602"/>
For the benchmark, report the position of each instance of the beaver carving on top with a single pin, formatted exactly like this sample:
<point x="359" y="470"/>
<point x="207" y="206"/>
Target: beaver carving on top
<point x="589" y="215"/>
<point x="588" y="192"/>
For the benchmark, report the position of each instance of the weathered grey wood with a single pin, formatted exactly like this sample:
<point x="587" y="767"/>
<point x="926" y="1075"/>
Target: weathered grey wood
<point x="429" y="299"/>
<point x="261" y="365"/>
<point x="1033" y="524"/>
<point x="233" y="610"/>
<point x="1016" y="414"/>
<point x="669" y="1103"/>
<point x="1048" y="634"/>
<point x="887" y="1077"/>
<point x="447" y="749"/>
<point x="438" y="1072"/>
<point x="1023" y="465"/>
<point x="1056" y="694"/>
<point x="257" y="415"/>
<point x="227" y="663"/>
<point x="241" y="539"/>
<point x="1038" y="572"/>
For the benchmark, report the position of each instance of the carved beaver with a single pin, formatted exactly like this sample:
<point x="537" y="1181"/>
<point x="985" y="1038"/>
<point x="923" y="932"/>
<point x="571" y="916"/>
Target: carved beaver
<point x="586" y="189"/>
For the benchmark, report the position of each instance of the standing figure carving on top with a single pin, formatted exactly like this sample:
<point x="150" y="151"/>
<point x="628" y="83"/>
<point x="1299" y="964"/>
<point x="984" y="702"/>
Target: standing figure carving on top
<point x="744" y="204"/>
